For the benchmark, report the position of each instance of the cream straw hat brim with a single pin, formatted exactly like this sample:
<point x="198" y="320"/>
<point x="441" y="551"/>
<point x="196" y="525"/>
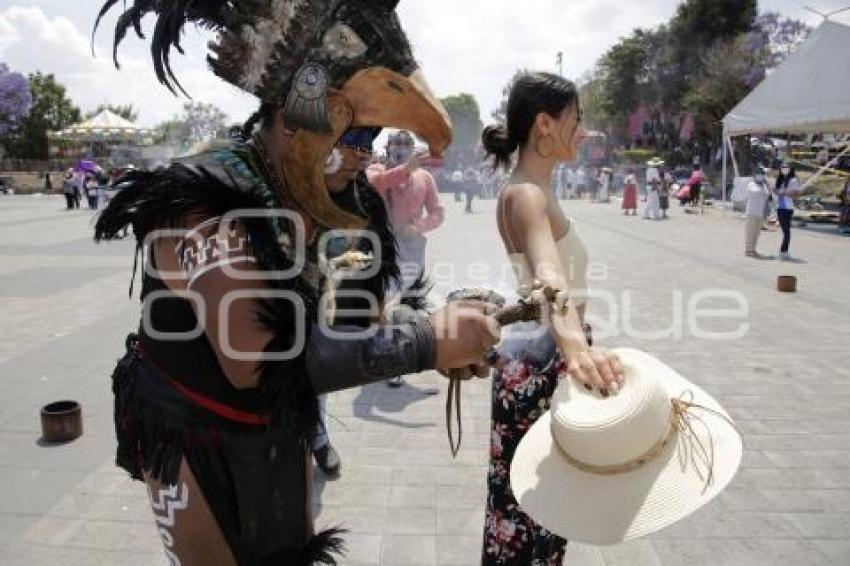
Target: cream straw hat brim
<point x="609" y="509"/>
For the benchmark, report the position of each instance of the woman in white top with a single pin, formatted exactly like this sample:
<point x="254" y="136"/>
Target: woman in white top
<point x="757" y="195"/>
<point x="544" y="126"/>
<point x="652" y="208"/>
<point x="787" y="187"/>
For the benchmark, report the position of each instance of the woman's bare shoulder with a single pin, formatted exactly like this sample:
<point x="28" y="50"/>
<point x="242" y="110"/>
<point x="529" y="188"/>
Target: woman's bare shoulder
<point x="524" y="195"/>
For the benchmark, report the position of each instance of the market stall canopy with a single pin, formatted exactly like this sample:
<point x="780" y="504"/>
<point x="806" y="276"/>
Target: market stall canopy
<point x="105" y="126"/>
<point x="807" y="93"/>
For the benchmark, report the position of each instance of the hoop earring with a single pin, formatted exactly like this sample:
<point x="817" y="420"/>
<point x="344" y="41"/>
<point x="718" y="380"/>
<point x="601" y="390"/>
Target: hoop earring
<point x="537" y="147"/>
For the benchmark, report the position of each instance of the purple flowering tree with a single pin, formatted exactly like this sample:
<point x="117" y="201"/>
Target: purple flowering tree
<point x="15" y="99"/>
<point x="772" y="39"/>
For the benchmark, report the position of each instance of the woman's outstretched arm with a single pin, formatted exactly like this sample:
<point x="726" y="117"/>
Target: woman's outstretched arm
<point x="527" y="206"/>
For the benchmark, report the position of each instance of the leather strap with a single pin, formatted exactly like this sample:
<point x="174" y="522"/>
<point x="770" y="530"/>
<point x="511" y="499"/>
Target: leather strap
<point x="454" y="395"/>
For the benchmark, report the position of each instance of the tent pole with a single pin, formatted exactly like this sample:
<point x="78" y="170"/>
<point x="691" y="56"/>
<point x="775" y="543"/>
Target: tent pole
<point x="735" y="171"/>
<point x="723" y="176"/>
<point x="823" y="169"/>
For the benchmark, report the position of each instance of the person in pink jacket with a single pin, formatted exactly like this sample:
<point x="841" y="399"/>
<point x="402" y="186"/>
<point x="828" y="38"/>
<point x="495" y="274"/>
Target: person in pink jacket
<point x="413" y="204"/>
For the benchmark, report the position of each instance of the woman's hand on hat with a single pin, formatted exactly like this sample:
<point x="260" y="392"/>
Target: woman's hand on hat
<point x="596" y="370"/>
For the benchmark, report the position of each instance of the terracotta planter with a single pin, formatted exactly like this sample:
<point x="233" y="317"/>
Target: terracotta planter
<point x="61" y="421"/>
<point x="786" y="284"/>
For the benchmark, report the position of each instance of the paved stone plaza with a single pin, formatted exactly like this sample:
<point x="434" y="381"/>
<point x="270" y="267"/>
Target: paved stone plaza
<point x="64" y="313"/>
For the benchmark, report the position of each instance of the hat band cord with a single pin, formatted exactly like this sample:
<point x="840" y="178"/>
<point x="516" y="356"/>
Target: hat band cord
<point x="693" y="451"/>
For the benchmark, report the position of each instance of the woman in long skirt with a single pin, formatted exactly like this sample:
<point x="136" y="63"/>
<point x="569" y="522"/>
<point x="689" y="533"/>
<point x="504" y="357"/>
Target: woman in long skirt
<point x="543" y="123"/>
<point x="630" y="199"/>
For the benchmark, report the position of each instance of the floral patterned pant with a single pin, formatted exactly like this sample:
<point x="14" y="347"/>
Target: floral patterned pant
<point x="521" y="394"/>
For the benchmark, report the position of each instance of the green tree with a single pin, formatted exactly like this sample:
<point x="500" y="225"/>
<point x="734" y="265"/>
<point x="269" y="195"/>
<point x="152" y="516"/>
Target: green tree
<point x="721" y="84"/>
<point x="199" y="122"/>
<point x="126" y="111"/>
<point x="697" y="26"/>
<point x="466" y="119"/>
<point x="51" y="110"/>
<point x="623" y="77"/>
<point x="204" y="122"/>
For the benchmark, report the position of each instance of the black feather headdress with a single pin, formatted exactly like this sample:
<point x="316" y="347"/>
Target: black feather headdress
<point x="261" y="45"/>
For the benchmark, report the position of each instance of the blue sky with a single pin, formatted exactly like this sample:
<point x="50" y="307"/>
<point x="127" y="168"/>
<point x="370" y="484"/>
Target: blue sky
<point x="474" y="48"/>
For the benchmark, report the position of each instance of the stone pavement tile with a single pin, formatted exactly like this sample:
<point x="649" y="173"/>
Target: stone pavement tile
<point x="632" y="553"/>
<point x="411" y="521"/>
<point x="821" y="525"/>
<point x="795" y="442"/>
<point x="755" y="459"/>
<point x="810" y="500"/>
<point x="111" y="480"/>
<point x="768" y="500"/>
<point x="11" y="527"/>
<point x="768" y="478"/>
<point x="712" y="521"/>
<point x="455" y="550"/>
<point x="358" y="520"/>
<point x="584" y="555"/>
<point x="834" y="500"/>
<point x="836" y="477"/>
<point x="737" y="552"/>
<point x="461" y="497"/>
<point x="38" y="555"/>
<point x="415" y="475"/>
<point x="461" y="475"/>
<point x="352" y="454"/>
<point x="461" y="522"/>
<point x="32" y="491"/>
<point x="413" y="496"/>
<point x="43" y="281"/>
<point x="26" y="449"/>
<point x="88" y="533"/>
<point x="362" y="549"/>
<point x="368" y="474"/>
<point x="409" y="550"/>
<point x="809" y="458"/>
<point x="99" y="507"/>
<point x="353" y="495"/>
<point x="836" y="551"/>
<point x="466" y="457"/>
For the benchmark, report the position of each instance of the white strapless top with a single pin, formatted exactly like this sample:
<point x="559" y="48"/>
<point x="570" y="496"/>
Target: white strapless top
<point x="573" y="256"/>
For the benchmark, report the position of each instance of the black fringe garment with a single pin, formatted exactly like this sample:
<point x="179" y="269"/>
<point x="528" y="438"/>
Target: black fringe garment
<point x="153" y="438"/>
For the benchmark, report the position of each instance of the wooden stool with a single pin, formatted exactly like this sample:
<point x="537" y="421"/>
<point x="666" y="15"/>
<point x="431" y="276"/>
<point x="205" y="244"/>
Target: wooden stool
<point x="786" y="284"/>
<point x="61" y="421"/>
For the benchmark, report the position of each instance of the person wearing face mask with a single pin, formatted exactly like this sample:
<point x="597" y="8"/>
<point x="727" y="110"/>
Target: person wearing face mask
<point x="652" y="208"/>
<point x="787" y="187"/>
<point x="412" y="200"/>
<point x="413" y="203"/>
<point x="757" y="195"/>
<point x="345" y="179"/>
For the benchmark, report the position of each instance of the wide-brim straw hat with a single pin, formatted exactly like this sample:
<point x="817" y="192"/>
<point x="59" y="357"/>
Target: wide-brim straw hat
<point x="606" y="470"/>
<point x="655" y="162"/>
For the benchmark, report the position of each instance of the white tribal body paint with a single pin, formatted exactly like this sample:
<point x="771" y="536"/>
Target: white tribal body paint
<point x="167" y="502"/>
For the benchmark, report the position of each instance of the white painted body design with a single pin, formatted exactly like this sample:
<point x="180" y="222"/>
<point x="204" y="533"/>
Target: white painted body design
<point x="165" y="504"/>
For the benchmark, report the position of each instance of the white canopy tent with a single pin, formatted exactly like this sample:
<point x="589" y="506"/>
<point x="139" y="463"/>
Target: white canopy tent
<point x="808" y="93"/>
<point x="105" y="126"/>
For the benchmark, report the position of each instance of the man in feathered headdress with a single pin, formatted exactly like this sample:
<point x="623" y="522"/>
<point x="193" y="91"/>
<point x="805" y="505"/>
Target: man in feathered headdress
<point x="216" y="399"/>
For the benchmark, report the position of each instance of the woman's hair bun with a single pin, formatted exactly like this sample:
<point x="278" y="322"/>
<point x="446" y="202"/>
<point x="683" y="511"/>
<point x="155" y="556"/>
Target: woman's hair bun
<point x="497" y="142"/>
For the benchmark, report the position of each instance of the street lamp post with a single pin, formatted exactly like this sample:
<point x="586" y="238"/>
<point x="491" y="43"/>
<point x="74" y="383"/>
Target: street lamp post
<point x="559" y="60"/>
